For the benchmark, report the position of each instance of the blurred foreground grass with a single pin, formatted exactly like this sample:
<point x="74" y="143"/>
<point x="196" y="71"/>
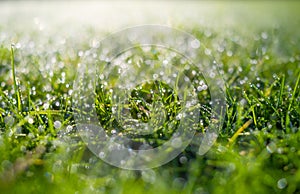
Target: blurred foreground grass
<point x="259" y="55"/>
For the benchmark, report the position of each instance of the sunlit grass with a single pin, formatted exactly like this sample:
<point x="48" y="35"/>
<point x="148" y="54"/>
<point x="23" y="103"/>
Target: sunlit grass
<point x="257" y="150"/>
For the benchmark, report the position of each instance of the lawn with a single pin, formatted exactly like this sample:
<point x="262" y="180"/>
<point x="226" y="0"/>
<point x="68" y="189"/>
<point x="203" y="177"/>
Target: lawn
<point x="55" y="75"/>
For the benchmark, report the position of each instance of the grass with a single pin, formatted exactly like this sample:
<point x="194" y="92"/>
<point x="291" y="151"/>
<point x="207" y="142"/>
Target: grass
<point x="16" y="88"/>
<point x="257" y="150"/>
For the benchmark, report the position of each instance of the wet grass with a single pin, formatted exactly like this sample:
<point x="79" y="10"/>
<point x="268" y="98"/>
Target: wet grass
<point x="257" y="151"/>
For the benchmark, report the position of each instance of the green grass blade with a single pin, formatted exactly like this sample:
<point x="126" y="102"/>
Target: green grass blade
<point x="16" y="87"/>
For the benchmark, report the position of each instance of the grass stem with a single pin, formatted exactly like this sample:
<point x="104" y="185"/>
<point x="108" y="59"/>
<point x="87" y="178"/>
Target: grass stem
<point x="16" y="87"/>
<point x="240" y="130"/>
<point x="287" y="117"/>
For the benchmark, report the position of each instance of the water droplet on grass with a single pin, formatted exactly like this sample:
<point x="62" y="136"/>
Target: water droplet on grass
<point x="57" y="124"/>
<point x="201" y="88"/>
<point x="57" y="104"/>
<point x="269" y="125"/>
<point x="280" y="150"/>
<point x="195" y="44"/>
<point x="41" y="128"/>
<point x="30" y="120"/>
<point x="264" y="35"/>
<point x="207" y="51"/>
<point x="229" y="53"/>
<point x="101" y="155"/>
<point x="165" y="62"/>
<point x="271" y="147"/>
<point x="282" y="183"/>
<point x="183" y="159"/>
<point x="69" y="128"/>
<point x="179" y="116"/>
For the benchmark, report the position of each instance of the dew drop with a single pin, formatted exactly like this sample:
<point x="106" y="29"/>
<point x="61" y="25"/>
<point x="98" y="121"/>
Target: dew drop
<point x="269" y="125"/>
<point x="195" y="44"/>
<point x="264" y="35"/>
<point x="101" y="155"/>
<point x="179" y="116"/>
<point x="46" y="106"/>
<point x="207" y="51"/>
<point x="183" y="159"/>
<point x="41" y="128"/>
<point x="271" y="147"/>
<point x="101" y="76"/>
<point x="57" y="103"/>
<point x="69" y="128"/>
<point x="57" y="124"/>
<point x="229" y="53"/>
<point x="282" y="183"/>
<point x="212" y="74"/>
<point x="30" y="120"/>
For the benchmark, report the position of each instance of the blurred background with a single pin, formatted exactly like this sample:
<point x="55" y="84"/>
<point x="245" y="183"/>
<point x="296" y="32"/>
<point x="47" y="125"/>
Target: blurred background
<point x="50" y="16"/>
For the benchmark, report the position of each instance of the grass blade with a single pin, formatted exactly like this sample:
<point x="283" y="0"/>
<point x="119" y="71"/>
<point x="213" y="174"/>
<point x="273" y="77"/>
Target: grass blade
<point x="16" y="87"/>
